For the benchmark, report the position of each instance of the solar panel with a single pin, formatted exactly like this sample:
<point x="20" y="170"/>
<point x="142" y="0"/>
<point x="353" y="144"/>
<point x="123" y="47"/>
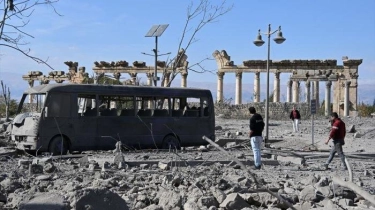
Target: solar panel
<point x="156" y="30"/>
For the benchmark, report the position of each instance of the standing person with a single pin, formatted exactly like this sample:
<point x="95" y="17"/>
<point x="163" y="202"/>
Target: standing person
<point x="256" y="129"/>
<point x="295" y="117"/>
<point x="337" y="133"/>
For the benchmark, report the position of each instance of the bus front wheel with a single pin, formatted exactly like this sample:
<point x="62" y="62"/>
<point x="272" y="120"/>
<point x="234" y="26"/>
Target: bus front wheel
<point x="171" y="142"/>
<point x="59" y="146"/>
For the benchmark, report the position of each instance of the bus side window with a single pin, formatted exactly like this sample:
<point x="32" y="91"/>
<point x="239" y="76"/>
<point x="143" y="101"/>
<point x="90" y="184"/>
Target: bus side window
<point x="59" y="105"/>
<point x="86" y="105"/>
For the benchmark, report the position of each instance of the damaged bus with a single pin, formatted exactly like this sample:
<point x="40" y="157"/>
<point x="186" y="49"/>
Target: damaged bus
<point x="79" y="117"/>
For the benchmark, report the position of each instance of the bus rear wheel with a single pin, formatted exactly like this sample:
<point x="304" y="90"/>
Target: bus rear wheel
<point x="58" y="146"/>
<point x="171" y="142"/>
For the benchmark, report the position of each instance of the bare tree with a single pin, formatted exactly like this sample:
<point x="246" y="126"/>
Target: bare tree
<point x="6" y="96"/>
<point x="198" y="16"/>
<point x="15" y="17"/>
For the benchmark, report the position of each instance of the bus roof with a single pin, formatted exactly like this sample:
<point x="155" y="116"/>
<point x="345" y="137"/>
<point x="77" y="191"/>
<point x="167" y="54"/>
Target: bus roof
<point x="93" y="88"/>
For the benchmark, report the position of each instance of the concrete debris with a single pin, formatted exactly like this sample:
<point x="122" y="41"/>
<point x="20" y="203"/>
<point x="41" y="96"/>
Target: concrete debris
<point x="352" y="129"/>
<point x="234" y="201"/>
<point x="357" y="135"/>
<point x="163" y="166"/>
<point x="46" y="201"/>
<point x="98" y="199"/>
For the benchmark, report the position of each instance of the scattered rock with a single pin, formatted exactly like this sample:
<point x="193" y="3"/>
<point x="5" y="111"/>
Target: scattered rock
<point x="233" y="202"/>
<point x="98" y="199"/>
<point x="351" y="129"/>
<point x="46" y="201"/>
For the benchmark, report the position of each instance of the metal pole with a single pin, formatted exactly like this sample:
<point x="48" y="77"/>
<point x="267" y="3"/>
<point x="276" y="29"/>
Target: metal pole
<point x="268" y="84"/>
<point x="312" y="115"/>
<point x="156" y="62"/>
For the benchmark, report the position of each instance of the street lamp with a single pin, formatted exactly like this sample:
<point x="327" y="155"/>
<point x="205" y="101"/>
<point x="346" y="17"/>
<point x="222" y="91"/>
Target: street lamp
<point x="259" y="42"/>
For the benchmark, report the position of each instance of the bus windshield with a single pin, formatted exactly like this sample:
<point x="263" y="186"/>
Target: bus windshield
<point x="32" y="103"/>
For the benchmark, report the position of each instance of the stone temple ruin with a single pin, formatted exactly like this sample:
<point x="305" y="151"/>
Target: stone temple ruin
<point x="311" y="72"/>
<point x="343" y="77"/>
<point x="116" y="69"/>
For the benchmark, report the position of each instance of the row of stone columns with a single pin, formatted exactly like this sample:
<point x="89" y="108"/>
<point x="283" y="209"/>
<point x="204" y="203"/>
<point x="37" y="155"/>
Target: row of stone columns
<point x="293" y="91"/>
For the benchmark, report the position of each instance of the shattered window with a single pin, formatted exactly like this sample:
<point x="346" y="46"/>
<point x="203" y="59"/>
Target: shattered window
<point x="87" y="105"/>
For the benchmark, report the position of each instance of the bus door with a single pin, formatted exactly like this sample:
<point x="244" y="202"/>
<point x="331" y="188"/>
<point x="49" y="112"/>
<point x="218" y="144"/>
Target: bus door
<point x="85" y="123"/>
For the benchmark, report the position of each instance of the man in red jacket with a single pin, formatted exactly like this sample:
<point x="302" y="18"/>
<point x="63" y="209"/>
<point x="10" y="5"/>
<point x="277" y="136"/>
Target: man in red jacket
<point x="337" y="134"/>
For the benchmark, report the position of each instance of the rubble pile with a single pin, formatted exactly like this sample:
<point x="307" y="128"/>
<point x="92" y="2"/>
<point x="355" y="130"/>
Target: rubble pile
<point x="169" y="181"/>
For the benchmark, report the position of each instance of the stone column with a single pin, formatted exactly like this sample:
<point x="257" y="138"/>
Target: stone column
<point x="150" y="77"/>
<point x="238" y="99"/>
<point x="295" y="91"/>
<point x="184" y="79"/>
<point x="276" y="88"/>
<point x="346" y="100"/>
<point x="117" y="75"/>
<point x="31" y="84"/>
<point x="133" y="78"/>
<point x="316" y="93"/>
<point x="257" y="87"/>
<point x="307" y="92"/>
<point x="327" y="102"/>
<point x="289" y="91"/>
<point x="220" y="79"/>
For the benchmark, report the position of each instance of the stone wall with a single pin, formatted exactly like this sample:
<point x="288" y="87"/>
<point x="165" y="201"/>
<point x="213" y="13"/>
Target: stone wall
<point x="277" y="110"/>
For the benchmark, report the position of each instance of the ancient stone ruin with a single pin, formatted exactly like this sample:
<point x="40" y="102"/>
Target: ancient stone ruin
<point x="343" y="77"/>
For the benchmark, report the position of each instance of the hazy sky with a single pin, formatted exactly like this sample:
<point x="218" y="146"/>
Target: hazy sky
<point x="115" y="30"/>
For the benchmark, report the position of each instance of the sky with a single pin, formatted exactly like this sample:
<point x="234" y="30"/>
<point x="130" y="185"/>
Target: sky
<point x="88" y="31"/>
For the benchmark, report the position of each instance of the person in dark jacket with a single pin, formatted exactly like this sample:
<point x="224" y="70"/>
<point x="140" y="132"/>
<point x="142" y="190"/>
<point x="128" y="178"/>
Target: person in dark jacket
<point x="295" y="117"/>
<point x="337" y="134"/>
<point x="256" y="129"/>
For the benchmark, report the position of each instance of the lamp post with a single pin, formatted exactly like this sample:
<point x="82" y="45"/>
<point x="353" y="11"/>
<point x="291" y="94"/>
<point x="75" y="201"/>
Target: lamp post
<point x="259" y="42"/>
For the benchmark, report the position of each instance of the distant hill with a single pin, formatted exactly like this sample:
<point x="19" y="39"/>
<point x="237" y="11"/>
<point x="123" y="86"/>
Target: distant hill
<point x="366" y="91"/>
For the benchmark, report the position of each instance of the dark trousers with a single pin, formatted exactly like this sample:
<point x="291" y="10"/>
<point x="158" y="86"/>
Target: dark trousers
<point x="337" y="148"/>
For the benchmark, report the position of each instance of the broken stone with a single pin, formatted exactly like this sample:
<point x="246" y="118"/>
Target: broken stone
<point x="43" y="177"/>
<point x="207" y="201"/>
<point x="218" y="194"/>
<point x="46" y="201"/>
<point x="84" y="161"/>
<point x="352" y="129"/>
<point x="143" y="166"/>
<point x="98" y="199"/>
<point x="234" y="201"/>
<point x="49" y="168"/>
<point x="35" y="169"/>
<point x="163" y="166"/>
<point x="191" y="205"/>
<point x="308" y="194"/>
<point x="119" y="157"/>
<point x="203" y="149"/>
<point x="357" y="135"/>
<point x="238" y="133"/>
<point x="170" y="200"/>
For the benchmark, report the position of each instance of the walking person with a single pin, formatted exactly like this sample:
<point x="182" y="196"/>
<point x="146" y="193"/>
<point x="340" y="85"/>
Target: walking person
<point x="256" y="139"/>
<point x="295" y="117"/>
<point x="337" y="134"/>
